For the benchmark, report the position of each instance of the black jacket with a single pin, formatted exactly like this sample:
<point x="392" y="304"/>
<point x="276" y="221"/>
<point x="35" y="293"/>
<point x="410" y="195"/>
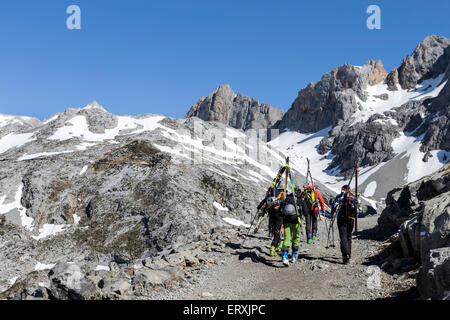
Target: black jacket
<point x="347" y="209"/>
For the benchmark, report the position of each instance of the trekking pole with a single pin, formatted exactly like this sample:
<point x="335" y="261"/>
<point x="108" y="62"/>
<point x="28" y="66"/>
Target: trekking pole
<point x="253" y="221"/>
<point x="260" y="219"/>
<point x="331" y="229"/>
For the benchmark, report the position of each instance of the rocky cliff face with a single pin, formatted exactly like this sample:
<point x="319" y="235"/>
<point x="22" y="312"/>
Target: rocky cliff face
<point x="420" y="212"/>
<point x="236" y="110"/>
<point x="427" y="61"/>
<point x="322" y="104"/>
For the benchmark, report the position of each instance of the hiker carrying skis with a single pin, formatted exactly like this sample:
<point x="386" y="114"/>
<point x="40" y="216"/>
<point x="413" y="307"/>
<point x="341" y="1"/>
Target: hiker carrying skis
<point x="272" y="205"/>
<point x="313" y="199"/>
<point x="291" y="222"/>
<point x="347" y="207"/>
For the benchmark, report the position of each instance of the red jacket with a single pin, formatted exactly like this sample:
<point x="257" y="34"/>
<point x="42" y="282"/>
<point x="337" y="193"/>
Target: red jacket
<point x="319" y="196"/>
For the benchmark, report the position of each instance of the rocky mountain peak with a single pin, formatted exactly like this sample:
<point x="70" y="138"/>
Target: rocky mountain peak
<point x="94" y="105"/>
<point x="374" y="71"/>
<point x="224" y="90"/>
<point x="236" y="110"/>
<point x="428" y="60"/>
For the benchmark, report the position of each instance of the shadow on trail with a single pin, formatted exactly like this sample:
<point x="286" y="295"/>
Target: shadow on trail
<point x="333" y="260"/>
<point x="250" y="253"/>
<point x="257" y="259"/>
<point x="240" y="246"/>
<point x="371" y="234"/>
<point x="410" y="294"/>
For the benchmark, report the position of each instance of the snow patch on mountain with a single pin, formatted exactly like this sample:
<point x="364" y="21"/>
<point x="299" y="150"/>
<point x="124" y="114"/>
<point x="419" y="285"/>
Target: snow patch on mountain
<point x="27" y="222"/>
<point x="39" y="155"/>
<point x="13" y="140"/>
<point x="77" y="127"/>
<point x="370" y="189"/>
<point x="219" y="207"/>
<point x="102" y="268"/>
<point x="299" y="147"/>
<point x="49" y="230"/>
<point x="42" y="266"/>
<point x="380" y="99"/>
<point x="409" y="146"/>
<point x="6" y="120"/>
<point x="235" y="222"/>
<point x="83" y="171"/>
<point x="76" y="219"/>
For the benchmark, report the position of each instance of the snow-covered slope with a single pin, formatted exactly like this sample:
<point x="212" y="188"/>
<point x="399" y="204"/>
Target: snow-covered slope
<point x="380" y="99"/>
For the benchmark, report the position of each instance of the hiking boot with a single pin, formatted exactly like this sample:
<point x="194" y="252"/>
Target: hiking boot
<point x="272" y="251"/>
<point x="346" y="260"/>
<point x="309" y="238"/>
<point x="294" y="255"/>
<point x="314" y="235"/>
<point x="280" y="246"/>
<point x="286" y="258"/>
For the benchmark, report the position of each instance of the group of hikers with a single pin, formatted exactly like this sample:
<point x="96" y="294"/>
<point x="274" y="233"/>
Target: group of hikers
<point x="287" y="211"/>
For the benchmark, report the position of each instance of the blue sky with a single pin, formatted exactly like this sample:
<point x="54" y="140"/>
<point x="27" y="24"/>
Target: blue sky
<point x="144" y="56"/>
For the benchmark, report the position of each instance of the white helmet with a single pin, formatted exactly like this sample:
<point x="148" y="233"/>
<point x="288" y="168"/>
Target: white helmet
<point x="272" y="201"/>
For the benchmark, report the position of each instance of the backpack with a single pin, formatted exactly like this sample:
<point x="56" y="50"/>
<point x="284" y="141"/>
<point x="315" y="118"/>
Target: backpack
<point x="348" y="208"/>
<point x="310" y="198"/>
<point x="288" y="210"/>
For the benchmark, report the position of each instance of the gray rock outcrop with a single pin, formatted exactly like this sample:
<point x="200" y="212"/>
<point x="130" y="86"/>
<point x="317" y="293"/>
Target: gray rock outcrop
<point x="322" y="104"/>
<point x="69" y="282"/>
<point x="420" y="212"/>
<point x="428" y="60"/>
<point x="236" y="110"/>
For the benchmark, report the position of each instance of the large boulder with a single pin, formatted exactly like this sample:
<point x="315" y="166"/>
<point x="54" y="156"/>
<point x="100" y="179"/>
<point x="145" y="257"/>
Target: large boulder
<point x="433" y="281"/>
<point x="69" y="282"/>
<point x="420" y="212"/>
<point x="427" y="197"/>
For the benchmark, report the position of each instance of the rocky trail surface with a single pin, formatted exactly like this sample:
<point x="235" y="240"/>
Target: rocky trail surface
<point x="243" y="269"/>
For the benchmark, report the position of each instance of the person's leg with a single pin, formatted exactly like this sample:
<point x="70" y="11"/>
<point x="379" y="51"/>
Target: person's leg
<point x="271" y="221"/>
<point x="276" y="243"/>
<point x="287" y="236"/>
<point x="279" y="224"/>
<point x="314" y="225"/>
<point x="342" y="227"/>
<point x="308" y="217"/>
<point x="287" y="242"/>
<point x="295" y="241"/>
<point x="350" y="226"/>
<point x="272" y="233"/>
<point x="276" y="230"/>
